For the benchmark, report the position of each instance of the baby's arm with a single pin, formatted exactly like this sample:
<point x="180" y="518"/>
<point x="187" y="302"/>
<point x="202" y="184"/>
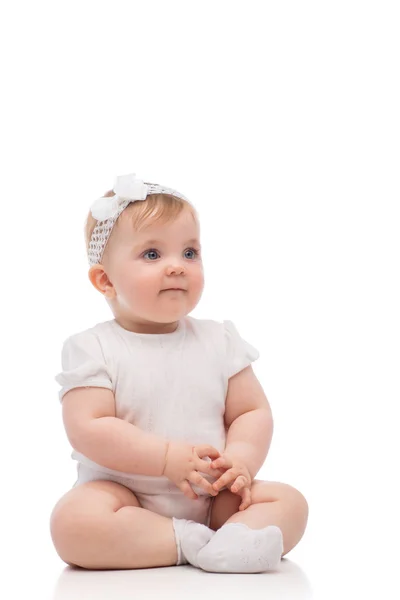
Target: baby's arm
<point x="93" y="430"/>
<point x="248" y="419"/>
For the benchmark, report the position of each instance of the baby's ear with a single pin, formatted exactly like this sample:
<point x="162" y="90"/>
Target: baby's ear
<point x="100" y="280"/>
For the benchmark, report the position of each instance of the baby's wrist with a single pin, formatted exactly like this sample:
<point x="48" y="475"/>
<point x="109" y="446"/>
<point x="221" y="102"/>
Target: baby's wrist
<point x="165" y="458"/>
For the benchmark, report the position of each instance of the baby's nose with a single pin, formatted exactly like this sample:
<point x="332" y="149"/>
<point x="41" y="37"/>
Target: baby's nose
<point x="176" y="269"/>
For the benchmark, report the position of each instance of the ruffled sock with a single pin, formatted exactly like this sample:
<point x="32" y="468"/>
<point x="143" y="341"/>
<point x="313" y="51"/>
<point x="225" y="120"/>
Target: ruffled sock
<point x="235" y="548"/>
<point x="190" y="538"/>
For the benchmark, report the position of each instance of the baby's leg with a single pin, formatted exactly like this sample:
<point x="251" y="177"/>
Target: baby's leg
<point x="100" y="525"/>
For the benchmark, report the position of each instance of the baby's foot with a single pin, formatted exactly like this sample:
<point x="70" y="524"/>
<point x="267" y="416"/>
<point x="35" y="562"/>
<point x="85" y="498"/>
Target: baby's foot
<point x="235" y="548"/>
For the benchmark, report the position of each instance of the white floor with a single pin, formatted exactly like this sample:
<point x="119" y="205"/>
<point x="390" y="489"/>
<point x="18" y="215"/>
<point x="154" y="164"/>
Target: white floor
<point x="302" y="577"/>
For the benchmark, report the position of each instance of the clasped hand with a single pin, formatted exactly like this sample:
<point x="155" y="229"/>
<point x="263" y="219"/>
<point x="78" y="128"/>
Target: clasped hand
<point x="236" y="478"/>
<point x="185" y="464"/>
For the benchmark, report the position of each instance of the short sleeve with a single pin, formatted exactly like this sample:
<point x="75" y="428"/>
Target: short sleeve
<point x="83" y="364"/>
<point x="239" y="353"/>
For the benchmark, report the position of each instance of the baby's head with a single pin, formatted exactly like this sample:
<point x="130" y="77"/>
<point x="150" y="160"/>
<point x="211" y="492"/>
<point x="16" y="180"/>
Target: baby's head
<point x="154" y="246"/>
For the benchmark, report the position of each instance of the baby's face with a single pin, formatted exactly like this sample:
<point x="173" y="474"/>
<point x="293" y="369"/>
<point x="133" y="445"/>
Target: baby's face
<point x="144" y="266"/>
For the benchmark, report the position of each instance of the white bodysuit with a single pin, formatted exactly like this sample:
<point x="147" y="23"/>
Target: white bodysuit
<point x="173" y="385"/>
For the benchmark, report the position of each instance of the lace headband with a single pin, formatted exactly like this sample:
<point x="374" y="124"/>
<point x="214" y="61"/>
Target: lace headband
<point x="106" y="210"/>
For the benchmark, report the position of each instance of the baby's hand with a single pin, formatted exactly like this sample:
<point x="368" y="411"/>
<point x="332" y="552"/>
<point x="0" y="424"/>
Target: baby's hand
<point x="236" y="477"/>
<point x="208" y="470"/>
<point x="184" y="465"/>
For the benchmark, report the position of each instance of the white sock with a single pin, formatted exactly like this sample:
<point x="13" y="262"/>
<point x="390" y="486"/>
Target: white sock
<point x="235" y="548"/>
<point x="190" y="538"/>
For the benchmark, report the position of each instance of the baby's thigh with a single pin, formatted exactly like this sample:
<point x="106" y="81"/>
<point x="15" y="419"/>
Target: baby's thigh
<point x="102" y="495"/>
<point x="84" y="504"/>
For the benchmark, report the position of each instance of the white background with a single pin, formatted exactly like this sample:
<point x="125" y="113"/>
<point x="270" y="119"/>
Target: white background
<point x="280" y="121"/>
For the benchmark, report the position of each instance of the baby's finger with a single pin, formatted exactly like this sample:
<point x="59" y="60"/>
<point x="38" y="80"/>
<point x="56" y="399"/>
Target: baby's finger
<point x="200" y="481"/>
<point x="225" y="479"/>
<point x="207" y="450"/>
<point x="246" y="499"/>
<point x="205" y="467"/>
<point x="187" y="489"/>
<point x="239" y="483"/>
<point x="222" y="461"/>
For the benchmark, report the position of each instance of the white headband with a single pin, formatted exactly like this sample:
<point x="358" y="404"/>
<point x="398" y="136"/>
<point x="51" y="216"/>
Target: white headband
<point x="106" y="210"/>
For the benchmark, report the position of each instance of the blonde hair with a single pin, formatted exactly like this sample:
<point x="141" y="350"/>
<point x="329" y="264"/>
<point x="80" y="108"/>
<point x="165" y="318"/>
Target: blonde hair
<point x="156" y="207"/>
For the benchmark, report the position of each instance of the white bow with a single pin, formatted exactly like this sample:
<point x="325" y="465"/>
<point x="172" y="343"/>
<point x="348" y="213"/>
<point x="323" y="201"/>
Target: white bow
<point x="126" y="187"/>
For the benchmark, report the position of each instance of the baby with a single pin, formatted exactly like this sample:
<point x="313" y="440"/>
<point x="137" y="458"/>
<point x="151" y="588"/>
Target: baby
<point x="168" y="422"/>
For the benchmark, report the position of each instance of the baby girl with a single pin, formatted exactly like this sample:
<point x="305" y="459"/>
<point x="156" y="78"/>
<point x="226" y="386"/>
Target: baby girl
<point x="168" y="423"/>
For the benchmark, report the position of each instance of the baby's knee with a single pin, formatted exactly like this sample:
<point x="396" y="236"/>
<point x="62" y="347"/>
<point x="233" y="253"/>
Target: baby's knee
<point x="298" y="505"/>
<point x="301" y="502"/>
<point x="71" y="530"/>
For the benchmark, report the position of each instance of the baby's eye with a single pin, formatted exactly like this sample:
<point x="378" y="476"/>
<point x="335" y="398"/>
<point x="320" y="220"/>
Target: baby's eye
<point x="191" y="251"/>
<point x="152" y="253"/>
